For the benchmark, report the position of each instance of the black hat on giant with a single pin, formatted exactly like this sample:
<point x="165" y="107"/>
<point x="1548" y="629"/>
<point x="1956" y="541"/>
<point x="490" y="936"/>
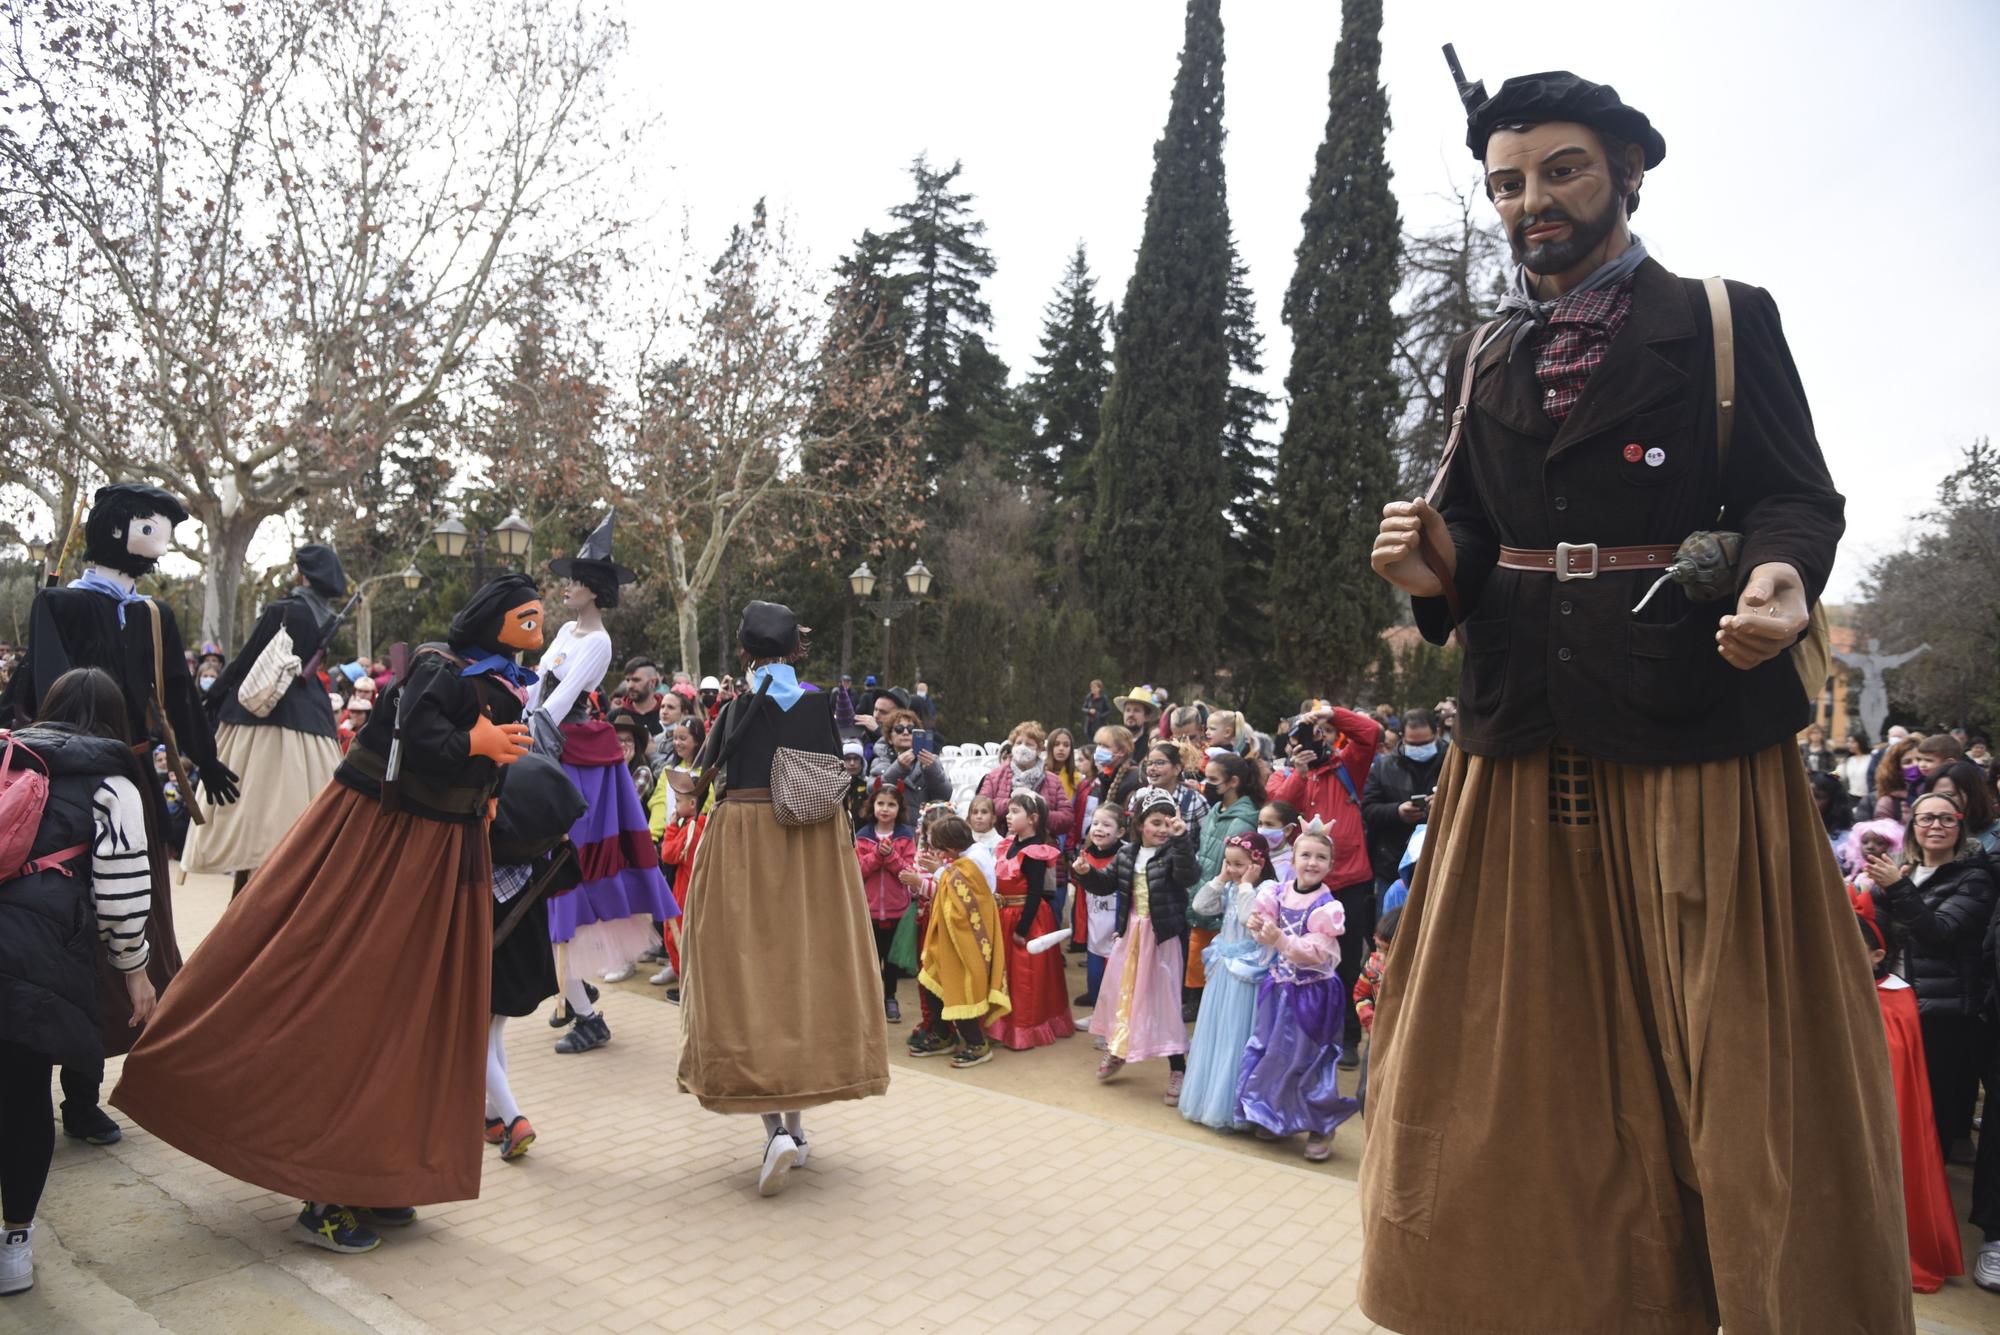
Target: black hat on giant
<point x="769" y="630"/>
<point x="321" y="567"/>
<point x="115" y="506"/>
<point x="477" y="625"/>
<point x="1556" y="95"/>
<point x="592" y="565"/>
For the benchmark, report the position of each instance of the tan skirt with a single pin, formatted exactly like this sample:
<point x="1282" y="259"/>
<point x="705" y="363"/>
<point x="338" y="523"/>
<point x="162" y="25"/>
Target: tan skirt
<point x="1629" y="1077"/>
<point x="781" y="994"/>
<point x="328" y="1038"/>
<point x="280" y="772"/>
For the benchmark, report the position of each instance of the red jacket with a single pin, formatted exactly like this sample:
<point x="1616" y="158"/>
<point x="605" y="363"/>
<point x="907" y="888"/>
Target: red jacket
<point x="882" y="863"/>
<point x="1319" y="792"/>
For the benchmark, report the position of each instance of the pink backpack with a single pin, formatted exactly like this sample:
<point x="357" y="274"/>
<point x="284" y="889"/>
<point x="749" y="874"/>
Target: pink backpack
<point x="24" y="794"/>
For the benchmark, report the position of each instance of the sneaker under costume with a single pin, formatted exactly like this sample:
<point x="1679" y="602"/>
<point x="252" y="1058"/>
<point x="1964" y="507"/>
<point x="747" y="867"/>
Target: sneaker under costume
<point x="1037" y="988"/>
<point x="607" y="922"/>
<point x="964" y="964"/>
<point x="101" y="621"/>
<point x="781" y="993"/>
<point x="286" y="757"/>
<point x="1693" y="1090"/>
<point x="356" y="969"/>
<point x="1290" y="1078"/>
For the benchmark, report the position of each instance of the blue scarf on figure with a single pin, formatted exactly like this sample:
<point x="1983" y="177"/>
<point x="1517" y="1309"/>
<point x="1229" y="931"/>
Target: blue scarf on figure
<point x="501" y="665"/>
<point x="98" y="583"/>
<point x="785" y="689"/>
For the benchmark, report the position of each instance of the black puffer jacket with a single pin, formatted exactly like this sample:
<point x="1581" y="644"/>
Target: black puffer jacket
<point x="1945" y="923"/>
<point x="1171" y="876"/>
<point x="48" y="921"/>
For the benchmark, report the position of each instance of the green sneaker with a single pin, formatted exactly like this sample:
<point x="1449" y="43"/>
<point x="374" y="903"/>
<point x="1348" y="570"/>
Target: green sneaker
<point x="926" y="1043"/>
<point x="978" y="1056"/>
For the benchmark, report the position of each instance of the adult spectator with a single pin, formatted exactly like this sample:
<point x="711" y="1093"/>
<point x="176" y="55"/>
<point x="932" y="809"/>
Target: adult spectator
<point x="640" y="693"/>
<point x="875" y="723"/>
<point x="1819" y="757"/>
<point x="1024" y="764"/>
<point x="1137" y="710"/>
<point x="1889" y="740"/>
<point x="1331" y="752"/>
<point x="1943" y="896"/>
<point x="1446" y="711"/>
<point x="1096" y="708"/>
<point x="1894" y="777"/>
<point x="843" y="704"/>
<point x="1855" y="770"/>
<point x="1978" y="750"/>
<point x="1397" y="798"/>
<point x="923" y="706"/>
<point x="1967" y="782"/>
<point x="897" y="762"/>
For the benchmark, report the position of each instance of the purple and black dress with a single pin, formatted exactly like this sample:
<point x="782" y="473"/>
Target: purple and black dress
<point x="1290" y="1078"/>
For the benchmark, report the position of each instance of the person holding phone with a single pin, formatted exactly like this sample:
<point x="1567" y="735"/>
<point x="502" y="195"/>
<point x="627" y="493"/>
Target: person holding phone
<point x="899" y="760"/>
<point x="1396" y="798"/>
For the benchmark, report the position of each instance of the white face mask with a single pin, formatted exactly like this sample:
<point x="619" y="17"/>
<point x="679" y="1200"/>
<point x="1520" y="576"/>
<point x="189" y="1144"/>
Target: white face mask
<point x="1025" y="756"/>
<point x="206" y="682"/>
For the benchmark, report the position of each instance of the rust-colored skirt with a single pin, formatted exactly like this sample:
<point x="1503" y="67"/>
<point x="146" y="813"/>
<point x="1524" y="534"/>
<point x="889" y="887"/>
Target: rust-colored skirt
<point x="781" y="994"/>
<point x="328" y="1039"/>
<point x="1629" y="1074"/>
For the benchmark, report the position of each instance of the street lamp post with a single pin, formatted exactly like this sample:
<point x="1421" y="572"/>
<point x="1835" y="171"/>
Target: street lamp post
<point x="917" y="579"/>
<point x="514" y="536"/>
<point x="364" y="614"/>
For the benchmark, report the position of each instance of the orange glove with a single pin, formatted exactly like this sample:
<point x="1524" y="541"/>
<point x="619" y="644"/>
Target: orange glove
<point x="501" y="743"/>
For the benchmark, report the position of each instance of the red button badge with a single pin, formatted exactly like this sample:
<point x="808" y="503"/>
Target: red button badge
<point x="1634" y="453"/>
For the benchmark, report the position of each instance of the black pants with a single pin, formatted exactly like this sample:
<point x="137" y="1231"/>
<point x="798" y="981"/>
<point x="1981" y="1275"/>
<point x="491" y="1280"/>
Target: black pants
<point x="1986" y="1169"/>
<point x="80" y="1086"/>
<point x="1358" y="902"/>
<point x="885" y="933"/>
<point x="27" y="1131"/>
<point x="1955" y="1051"/>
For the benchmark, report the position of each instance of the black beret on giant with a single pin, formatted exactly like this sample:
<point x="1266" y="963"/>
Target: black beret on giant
<point x="1558" y="95"/>
<point x="321" y="567"/>
<point x="477" y="625"/>
<point x="111" y="509"/>
<point x="769" y="630"/>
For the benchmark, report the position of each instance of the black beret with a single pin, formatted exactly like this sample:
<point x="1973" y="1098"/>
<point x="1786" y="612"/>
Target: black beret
<point x="768" y="630"/>
<point x="136" y="498"/>
<point x="1558" y="95"/>
<point x="321" y="567"/>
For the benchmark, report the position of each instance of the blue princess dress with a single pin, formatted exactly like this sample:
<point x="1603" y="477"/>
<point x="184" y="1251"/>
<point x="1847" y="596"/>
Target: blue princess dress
<point x="1234" y="965"/>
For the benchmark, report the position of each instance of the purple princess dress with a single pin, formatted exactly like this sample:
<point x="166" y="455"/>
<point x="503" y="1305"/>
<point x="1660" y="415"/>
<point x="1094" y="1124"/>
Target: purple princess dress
<point x="1290" y="1072"/>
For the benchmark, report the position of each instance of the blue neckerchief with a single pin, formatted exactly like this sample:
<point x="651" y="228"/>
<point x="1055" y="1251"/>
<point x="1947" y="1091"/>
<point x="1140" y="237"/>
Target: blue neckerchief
<point x="97" y="583"/>
<point x="500" y="665"/>
<point x="785" y="689"/>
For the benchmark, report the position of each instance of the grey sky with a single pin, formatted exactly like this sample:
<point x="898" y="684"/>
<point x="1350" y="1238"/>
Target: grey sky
<point x="1839" y="154"/>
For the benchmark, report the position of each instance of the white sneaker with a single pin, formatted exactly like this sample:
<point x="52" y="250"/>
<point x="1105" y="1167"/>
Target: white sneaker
<point x="805" y="1152"/>
<point x="17" y="1260"/>
<point x="1985" y="1268"/>
<point x="665" y="977"/>
<point x="781" y="1156"/>
<point x="619" y="974"/>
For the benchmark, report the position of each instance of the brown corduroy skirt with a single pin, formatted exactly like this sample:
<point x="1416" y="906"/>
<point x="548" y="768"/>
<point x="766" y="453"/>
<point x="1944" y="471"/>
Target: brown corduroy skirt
<point x="328" y="1038"/>
<point x="1629" y="1076"/>
<point x="781" y="994"/>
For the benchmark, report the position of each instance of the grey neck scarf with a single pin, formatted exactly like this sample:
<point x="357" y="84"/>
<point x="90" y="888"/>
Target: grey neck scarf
<point x="1521" y="298"/>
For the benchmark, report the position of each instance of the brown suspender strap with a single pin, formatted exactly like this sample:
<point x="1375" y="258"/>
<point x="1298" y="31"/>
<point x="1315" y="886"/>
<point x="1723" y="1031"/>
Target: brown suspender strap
<point x="175" y="765"/>
<point x="1725" y="369"/>
<point x="1425" y="547"/>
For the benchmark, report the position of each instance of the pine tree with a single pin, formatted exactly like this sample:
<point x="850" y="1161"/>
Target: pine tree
<point x="979" y="416"/>
<point x="1245" y="620"/>
<point x="1066" y="393"/>
<point x="940" y="266"/>
<point x="1158" y="523"/>
<point x="1336" y="465"/>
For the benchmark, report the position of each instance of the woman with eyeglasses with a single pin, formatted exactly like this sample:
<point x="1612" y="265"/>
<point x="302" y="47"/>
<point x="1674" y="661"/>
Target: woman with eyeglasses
<point x="899" y="762"/>
<point x="1942" y="897"/>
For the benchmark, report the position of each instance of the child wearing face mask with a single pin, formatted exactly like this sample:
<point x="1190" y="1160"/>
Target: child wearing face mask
<point x="1290" y="1067"/>
<point x="1099" y="911"/>
<point x="1151" y="879"/>
<point x="1277" y="825"/>
<point x="1025" y="871"/>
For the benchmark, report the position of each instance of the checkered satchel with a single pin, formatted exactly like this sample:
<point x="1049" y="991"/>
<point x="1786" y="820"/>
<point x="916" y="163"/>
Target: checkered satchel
<point x="807" y="787"/>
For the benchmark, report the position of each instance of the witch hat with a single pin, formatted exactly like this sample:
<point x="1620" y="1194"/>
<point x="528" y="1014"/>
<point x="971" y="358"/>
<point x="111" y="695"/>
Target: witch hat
<point x="593" y="559"/>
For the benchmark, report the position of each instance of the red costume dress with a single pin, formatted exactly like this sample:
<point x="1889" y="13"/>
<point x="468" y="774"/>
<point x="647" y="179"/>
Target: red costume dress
<point x="1934" y="1248"/>
<point x="1039" y="991"/>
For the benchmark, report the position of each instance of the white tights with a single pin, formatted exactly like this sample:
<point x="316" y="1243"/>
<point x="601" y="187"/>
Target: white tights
<point x="578" y="999"/>
<point x="499" y="1094"/>
<point x="791" y="1123"/>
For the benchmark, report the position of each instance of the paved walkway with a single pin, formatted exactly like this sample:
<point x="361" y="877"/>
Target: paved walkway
<point x="1020" y="1196"/>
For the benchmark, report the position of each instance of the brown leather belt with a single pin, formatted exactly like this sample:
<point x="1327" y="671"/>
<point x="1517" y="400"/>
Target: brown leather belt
<point x="1587" y="560"/>
<point x="747" y="795"/>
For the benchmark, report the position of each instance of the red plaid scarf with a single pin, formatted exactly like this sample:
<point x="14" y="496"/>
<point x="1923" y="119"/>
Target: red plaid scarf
<point x="1580" y="330"/>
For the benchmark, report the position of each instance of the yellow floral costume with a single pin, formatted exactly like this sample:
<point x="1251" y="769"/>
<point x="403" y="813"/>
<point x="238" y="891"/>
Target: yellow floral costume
<point x="964" y="961"/>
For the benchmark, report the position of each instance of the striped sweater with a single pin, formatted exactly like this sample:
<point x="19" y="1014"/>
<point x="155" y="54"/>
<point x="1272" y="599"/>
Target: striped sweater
<point x="121" y="875"/>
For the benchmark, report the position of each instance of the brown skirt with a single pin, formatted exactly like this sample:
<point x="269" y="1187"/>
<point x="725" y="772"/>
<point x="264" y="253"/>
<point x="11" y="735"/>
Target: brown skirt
<point x="1629" y="1075"/>
<point x="781" y="994"/>
<point x="328" y="1039"/>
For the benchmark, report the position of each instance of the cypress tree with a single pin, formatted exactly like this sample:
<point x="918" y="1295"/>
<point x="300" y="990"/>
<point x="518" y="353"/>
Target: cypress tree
<point x="1158" y="524"/>
<point x="1066" y="393"/>
<point x="1245" y="620"/>
<point x="1336" y="465"/>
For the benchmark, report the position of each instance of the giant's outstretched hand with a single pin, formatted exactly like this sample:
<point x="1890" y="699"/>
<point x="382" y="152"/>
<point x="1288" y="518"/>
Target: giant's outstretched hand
<point x="218" y="783"/>
<point x="1398" y="555"/>
<point x="1769" y="617"/>
<point x="501" y="743"/>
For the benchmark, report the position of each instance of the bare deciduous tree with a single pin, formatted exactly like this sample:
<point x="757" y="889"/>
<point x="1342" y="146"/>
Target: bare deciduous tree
<point x="1453" y="276"/>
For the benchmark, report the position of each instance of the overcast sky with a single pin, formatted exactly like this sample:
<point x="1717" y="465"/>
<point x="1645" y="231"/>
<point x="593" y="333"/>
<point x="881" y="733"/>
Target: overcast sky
<point x="1839" y="154"/>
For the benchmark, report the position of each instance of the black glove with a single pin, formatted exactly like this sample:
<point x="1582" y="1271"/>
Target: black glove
<point x="218" y="783"/>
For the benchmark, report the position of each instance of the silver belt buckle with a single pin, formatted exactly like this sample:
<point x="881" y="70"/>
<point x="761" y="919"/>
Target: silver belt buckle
<point x="1563" y="572"/>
